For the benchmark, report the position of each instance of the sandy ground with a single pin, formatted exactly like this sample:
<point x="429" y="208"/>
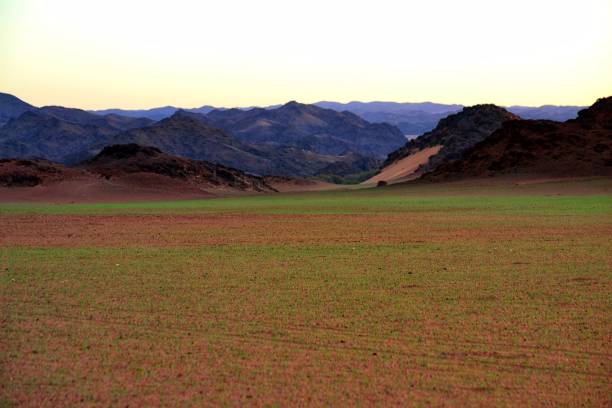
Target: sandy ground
<point x="404" y="168"/>
<point x="138" y="187"/>
<point x="287" y="186"/>
<point x="97" y="190"/>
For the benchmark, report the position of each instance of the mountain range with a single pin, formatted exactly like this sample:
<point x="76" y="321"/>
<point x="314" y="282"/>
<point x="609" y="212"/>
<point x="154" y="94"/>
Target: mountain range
<point x="291" y="140"/>
<point x="327" y="141"/>
<point x="411" y="118"/>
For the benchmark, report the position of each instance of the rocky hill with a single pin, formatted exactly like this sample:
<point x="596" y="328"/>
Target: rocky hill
<point x="452" y="136"/>
<point x="30" y="173"/>
<point x="578" y="147"/>
<point x="119" y="161"/>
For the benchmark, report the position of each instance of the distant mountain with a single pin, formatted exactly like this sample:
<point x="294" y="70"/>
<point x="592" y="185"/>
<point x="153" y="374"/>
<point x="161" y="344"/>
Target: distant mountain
<point x="60" y="134"/>
<point x="390" y="107"/>
<point x="410" y="118"/>
<point x="453" y="136"/>
<point x="81" y="117"/>
<point x="309" y="127"/>
<point x="126" y="123"/>
<point x="418" y="118"/>
<point x="121" y="161"/>
<point x="550" y="112"/>
<point x="578" y="147"/>
<point x="11" y="107"/>
<point x="154" y="114"/>
<point x="40" y="134"/>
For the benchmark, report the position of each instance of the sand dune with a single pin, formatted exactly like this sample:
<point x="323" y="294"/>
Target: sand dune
<point x="403" y="169"/>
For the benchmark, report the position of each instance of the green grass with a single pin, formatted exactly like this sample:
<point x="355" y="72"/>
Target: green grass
<point x="344" y="202"/>
<point x="389" y="296"/>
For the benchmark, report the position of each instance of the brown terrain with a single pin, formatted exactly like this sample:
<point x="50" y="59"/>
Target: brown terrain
<point x="540" y="148"/>
<point x="133" y="172"/>
<point x="34" y="172"/>
<point x="123" y="172"/>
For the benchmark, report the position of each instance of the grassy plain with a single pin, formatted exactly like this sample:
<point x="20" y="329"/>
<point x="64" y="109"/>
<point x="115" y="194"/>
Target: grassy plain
<point x="407" y="295"/>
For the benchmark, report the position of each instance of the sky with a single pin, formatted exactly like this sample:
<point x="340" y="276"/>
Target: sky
<point x="188" y="53"/>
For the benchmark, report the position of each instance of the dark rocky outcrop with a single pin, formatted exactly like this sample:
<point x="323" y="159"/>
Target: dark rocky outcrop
<point x="29" y="173"/>
<point x="578" y="147"/>
<point x="118" y="161"/>
<point x="456" y="133"/>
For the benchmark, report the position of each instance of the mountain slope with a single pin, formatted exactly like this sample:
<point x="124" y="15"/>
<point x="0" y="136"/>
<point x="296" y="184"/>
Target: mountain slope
<point x="579" y="147"/>
<point x="184" y="135"/>
<point x="39" y="134"/>
<point x="453" y="136"/>
<point x="11" y="107"/>
<point x="190" y="135"/>
<point x="72" y="135"/>
<point x="309" y="127"/>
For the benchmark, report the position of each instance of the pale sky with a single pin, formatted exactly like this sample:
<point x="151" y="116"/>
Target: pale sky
<point x="138" y="54"/>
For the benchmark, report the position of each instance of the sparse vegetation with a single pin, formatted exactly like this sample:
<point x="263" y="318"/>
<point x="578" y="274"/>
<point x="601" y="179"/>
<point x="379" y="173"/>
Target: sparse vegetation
<point x="445" y="294"/>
